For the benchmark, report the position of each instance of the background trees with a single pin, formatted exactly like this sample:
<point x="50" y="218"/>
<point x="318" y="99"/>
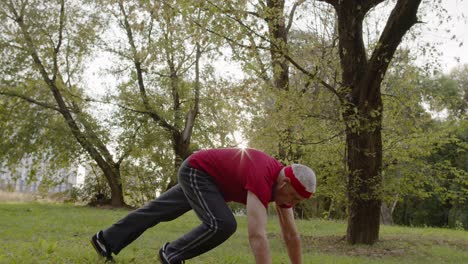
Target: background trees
<point x="358" y="92"/>
<point x="157" y="70"/>
<point x="47" y="48"/>
<point x="314" y="87"/>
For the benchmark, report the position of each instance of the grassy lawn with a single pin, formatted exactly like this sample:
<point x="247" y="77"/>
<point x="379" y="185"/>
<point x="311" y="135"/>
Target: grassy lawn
<point x="56" y="233"/>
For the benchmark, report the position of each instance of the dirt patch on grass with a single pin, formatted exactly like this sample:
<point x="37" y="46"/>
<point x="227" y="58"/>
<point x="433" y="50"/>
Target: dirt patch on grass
<point x="389" y="246"/>
<point x="110" y="207"/>
<point x="16" y="197"/>
<point x="23" y="197"/>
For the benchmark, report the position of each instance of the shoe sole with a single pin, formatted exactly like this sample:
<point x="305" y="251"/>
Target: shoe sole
<point x="98" y="251"/>
<point x="162" y="259"/>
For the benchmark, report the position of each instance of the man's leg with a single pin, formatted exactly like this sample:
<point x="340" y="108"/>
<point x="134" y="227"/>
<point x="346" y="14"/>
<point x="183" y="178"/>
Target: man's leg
<point x="208" y="203"/>
<point x="166" y="207"/>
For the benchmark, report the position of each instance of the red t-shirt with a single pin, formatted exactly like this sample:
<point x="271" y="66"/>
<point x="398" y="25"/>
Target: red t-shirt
<point x="237" y="171"/>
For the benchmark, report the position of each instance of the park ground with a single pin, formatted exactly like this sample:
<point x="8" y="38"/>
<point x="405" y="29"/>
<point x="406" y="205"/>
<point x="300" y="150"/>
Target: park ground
<point x="33" y="232"/>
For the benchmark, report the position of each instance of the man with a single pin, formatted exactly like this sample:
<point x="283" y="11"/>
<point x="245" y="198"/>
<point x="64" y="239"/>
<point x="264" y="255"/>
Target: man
<point x="207" y="180"/>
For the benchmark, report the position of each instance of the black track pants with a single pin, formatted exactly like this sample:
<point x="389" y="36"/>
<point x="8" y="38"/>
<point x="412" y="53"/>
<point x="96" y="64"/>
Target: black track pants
<point x="196" y="190"/>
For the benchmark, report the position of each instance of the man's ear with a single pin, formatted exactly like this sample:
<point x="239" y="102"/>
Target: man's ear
<point x="284" y="181"/>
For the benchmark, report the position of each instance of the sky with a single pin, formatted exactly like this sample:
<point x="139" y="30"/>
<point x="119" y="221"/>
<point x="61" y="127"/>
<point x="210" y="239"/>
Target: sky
<point x="452" y="53"/>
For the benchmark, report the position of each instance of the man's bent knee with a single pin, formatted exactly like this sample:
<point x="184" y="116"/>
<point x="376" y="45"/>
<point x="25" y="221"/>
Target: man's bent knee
<point x="224" y="228"/>
<point x="228" y="227"/>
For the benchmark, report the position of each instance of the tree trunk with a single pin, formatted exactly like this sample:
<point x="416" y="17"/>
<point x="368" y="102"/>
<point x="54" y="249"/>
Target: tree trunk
<point x="181" y="140"/>
<point x="117" y="198"/>
<point x="364" y="183"/>
<point x="181" y="150"/>
<point x="363" y="130"/>
<point x="386" y="215"/>
<point x="114" y="181"/>
<point x="360" y="95"/>
<point x="278" y="37"/>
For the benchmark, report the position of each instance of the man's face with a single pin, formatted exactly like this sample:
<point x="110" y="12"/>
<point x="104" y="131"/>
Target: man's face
<point x="286" y="195"/>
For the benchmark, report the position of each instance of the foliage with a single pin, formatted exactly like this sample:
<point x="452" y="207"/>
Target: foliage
<point x="405" y="129"/>
<point x="35" y="138"/>
<point x="45" y="49"/>
<point x="314" y="136"/>
<point x="221" y="120"/>
<point x="449" y="92"/>
<point x="144" y="181"/>
<point x="164" y="71"/>
<point x="424" y="158"/>
<point x="94" y="190"/>
<point x="447" y="190"/>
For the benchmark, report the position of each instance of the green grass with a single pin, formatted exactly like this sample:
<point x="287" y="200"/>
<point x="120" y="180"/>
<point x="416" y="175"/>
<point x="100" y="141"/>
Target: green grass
<point x="57" y="233"/>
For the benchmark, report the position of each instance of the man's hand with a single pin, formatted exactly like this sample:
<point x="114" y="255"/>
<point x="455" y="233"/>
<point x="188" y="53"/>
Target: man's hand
<point x="257" y="219"/>
<point x="291" y="236"/>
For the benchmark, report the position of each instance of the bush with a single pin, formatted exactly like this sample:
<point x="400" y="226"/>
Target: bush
<point x="458" y="217"/>
<point x="94" y="191"/>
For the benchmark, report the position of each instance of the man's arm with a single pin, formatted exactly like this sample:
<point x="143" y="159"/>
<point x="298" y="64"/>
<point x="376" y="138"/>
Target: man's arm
<point x="256" y="225"/>
<point x="291" y="236"/>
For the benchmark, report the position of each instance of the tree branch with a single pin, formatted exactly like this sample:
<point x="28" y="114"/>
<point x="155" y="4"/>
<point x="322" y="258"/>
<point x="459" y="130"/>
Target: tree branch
<point x="137" y="63"/>
<point x="262" y="72"/>
<point x="31" y="100"/>
<point x="127" y="152"/>
<point x="291" y="14"/>
<point x="59" y="43"/>
<point x="373" y="3"/>
<point x="402" y="18"/>
<point x="151" y="114"/>
<point x="302" y="142"/>
<point x="235" y="42"/>
<point x="292" y="61"/>
<point x="314" y="76"/>
<point x="192" y="114"/>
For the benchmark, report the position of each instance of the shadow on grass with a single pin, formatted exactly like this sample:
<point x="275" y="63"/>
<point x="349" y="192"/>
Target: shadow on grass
<point x="388" y="246"/>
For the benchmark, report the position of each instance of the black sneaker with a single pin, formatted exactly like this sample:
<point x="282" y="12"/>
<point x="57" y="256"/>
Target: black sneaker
<point x="101" y="246"/>
<point x="163" y="257"/>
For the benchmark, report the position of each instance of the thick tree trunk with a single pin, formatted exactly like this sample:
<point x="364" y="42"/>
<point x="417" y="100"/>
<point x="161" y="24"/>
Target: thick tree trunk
<point x="181" y="150"/>
<point x="361" y="99"/>
<point x="364" y="184"/>
<point x="114" y="180"/>
<point x="117" y="198"/>
<point x="363" y="129"/>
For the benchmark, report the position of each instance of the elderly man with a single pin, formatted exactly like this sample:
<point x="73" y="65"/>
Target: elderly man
<point x="207" y="180"/>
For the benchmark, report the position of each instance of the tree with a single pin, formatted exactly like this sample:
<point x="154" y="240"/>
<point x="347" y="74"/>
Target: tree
<point x="449" y="92"/>
<point x="358" y="93"/>
<point x="34" y="138"/>
<point x="435" y="180"/>
<point x="162" y="62"/>
<point x="409" y="134"/>
<point x="164" y="48"/>
<point x="47" y="42"/>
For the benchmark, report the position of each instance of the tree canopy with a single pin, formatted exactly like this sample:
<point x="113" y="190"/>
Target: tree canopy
<point x="320" y="83"/>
